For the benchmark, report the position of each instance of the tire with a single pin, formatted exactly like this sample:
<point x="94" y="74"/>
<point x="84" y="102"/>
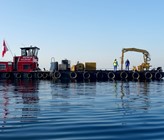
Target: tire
<point x="123" y="75"/>
<point x="7" y="75"/>
<point x="18" y="75"/>
<point x="56" y="75"/>
<point x="39" y="75"/>
<point x="86" y="75"/>
<point x="135" y="75"/>
<point x="148" y="75"/>
<point x="45" y="75"/>
<point x="73" y="75"/>
<point x="111" y="75"/>
<point x="158" y="76"/>
<point x="99" y="75"/>
<point x="29" y="75"/>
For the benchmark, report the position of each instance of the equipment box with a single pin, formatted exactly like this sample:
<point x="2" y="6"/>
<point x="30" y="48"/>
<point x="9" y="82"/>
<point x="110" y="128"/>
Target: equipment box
<point x="62" y="67"/>
<point x="90" y="65"/>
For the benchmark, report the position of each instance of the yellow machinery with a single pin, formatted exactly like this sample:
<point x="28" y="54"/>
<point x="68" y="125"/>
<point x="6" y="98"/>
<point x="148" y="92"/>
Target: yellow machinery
<point x="81" y="67"/>
<point x="146" y="57"/>
<point x="90" y="65"/>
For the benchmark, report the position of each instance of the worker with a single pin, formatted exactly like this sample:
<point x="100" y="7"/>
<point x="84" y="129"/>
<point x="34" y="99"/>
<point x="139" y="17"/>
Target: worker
<point x="127" y="64"/>
<point x="115" y="64"/>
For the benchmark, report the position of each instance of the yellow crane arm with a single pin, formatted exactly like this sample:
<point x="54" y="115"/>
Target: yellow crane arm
<point x="146" y="55"/>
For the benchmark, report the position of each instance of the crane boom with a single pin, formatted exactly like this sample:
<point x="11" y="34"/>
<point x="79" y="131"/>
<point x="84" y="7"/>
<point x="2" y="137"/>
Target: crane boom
<point x="146" y="56"/>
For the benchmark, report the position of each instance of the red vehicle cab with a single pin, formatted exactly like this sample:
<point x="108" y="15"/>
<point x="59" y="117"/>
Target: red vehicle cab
<point x="27" y="62"/>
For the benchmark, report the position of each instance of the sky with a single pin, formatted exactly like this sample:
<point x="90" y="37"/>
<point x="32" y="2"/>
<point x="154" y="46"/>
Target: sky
<point x="84" y="30"/>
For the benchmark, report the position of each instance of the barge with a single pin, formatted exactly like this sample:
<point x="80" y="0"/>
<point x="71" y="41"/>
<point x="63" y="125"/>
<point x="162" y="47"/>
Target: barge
<point x="26" y="66"/>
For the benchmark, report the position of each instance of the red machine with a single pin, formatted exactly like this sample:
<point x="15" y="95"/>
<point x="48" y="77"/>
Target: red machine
<point x="6" y="66"/>
<point x="27" y="62"/>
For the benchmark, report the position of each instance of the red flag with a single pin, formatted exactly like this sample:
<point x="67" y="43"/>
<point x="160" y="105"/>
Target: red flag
<point x="4" y="48"/>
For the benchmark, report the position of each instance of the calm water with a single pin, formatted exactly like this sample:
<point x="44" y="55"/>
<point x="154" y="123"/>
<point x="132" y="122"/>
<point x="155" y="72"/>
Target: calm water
<point x="44" y="110"/>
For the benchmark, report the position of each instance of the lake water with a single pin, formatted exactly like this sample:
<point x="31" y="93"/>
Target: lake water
<point x="45" y="110"/>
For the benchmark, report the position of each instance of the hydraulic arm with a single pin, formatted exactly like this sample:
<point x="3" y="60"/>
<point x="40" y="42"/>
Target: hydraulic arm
<point x="146" y="57"/>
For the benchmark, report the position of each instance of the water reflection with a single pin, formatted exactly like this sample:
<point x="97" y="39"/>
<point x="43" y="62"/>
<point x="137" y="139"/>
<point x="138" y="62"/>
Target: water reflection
<point x="28" y="91"/>
<point x="4" y="101"/>
<point x="66" y="90"/>
<point x="133" y="95"/>
<point x="125" y="89"/>
<point x="18" y="99"/>
<point x="91" y="110"/>
<point x="26" y="86"/>
<point x="67" y="95"/>
<point x="5" y="110"/>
